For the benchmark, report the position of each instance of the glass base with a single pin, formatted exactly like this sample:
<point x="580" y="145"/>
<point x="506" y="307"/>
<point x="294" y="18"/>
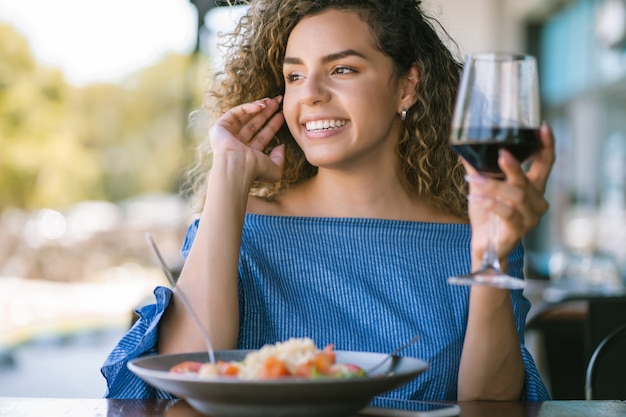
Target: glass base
<point x="489" y="277"/>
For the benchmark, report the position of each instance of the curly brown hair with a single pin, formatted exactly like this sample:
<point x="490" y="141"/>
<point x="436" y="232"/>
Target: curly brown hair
<point x="253" y="70"/>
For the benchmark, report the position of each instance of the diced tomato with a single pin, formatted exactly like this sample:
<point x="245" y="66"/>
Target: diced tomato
<point x="186" y="367"/>
<point x="346" y="370"/>
<point x="354" y="370"/>
<point x="325" y="359"/>
<point x="228" y="368"/>
<point x="322" y="365"/>
<point x="274" y="368"/>
<point x="330" y="349"/>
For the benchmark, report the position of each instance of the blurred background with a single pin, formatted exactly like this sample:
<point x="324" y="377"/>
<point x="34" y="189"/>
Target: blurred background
<point x="95" y="139"/>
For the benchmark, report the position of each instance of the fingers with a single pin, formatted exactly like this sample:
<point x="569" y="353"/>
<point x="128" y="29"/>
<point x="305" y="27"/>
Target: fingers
<point x="258" y="130"/>
<point x="243" y="133"/>
<point x="519" y="207"/>
<point x="272" y="167"/>
<point x="528" y="188"/>
<point x="516" y="200"/>
<point x="520" y="186"/>
<point x="254" y="123"/>
<point x="543" y="160"/>
<point x="234" y="119"/>
<point x="263" y="137"/>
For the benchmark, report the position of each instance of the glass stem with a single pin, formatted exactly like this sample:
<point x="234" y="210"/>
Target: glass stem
<point x="490" y="257"/>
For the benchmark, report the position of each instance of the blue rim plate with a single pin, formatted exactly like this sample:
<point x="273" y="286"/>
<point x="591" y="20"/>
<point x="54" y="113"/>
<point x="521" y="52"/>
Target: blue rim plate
<point x="285" y="397"/>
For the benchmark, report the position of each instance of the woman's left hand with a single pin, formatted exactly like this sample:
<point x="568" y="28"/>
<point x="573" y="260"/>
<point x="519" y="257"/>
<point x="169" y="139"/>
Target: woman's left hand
<point x="518" y="200"/>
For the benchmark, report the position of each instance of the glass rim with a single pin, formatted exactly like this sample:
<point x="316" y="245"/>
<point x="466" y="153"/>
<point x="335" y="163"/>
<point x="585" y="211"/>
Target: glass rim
<point x="499" y="56"/>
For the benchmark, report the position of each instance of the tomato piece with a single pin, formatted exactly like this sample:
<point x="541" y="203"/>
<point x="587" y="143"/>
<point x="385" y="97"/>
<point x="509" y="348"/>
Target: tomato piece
<point x="324" y="360"/>
<point x="354" y="370"/>
<point x="186" y="367"/>
<point x="274" y="368"/>
<point x="228" y="368"/>
<point x="347" y="370"/>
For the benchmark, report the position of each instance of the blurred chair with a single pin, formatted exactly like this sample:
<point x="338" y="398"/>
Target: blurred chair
<point x="563" y="333"/>
<point x="606" y="372"/>
<point x="559" y="333"/>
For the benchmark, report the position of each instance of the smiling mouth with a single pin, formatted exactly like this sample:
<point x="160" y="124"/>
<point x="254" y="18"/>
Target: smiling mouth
<point x="320" y="125"/>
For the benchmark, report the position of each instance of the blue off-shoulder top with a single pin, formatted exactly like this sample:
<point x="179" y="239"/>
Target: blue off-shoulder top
<point x="359" y="284"/>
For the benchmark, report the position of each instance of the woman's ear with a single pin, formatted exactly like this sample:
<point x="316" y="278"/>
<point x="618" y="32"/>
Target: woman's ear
<point x="409" y="82"/>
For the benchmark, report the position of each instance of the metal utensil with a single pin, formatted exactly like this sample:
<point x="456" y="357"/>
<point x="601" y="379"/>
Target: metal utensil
<point x="182" y="297"/>
<point x="393" y="353"/>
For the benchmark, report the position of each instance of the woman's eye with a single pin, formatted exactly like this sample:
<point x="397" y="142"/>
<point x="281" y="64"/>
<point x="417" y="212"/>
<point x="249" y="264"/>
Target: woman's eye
<point x="291" y="77"/>
<point x="343" y="70"/>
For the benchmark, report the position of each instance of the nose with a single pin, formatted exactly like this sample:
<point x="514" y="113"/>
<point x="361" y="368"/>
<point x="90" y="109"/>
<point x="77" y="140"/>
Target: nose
<point x="314" y="90"/>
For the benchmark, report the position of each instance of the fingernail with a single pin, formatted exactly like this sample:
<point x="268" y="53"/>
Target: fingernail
<point x="476" y="197"/>
<point x="279" y="99"/>
<point x="262" y="103"/>
<point x="502" y="153"/>
<point x="475" y="179"/>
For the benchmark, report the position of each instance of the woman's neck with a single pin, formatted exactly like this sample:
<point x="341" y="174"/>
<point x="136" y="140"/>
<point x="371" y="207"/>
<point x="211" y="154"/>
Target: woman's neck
<point x="372" y="194"/>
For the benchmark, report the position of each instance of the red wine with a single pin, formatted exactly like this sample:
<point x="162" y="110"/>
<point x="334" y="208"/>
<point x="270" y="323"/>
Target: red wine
<point x="479" y="146"/>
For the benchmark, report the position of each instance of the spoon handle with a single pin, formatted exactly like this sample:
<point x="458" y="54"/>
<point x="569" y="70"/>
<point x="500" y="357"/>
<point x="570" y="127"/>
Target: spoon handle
<point x="182" y="297"/>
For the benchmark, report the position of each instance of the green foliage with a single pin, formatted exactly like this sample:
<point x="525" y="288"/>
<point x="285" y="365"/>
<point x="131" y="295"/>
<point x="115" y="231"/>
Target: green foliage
<point x="60" y="144"/>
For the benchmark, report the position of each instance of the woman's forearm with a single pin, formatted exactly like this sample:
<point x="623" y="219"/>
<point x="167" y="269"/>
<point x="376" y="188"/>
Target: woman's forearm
<point x="209" y="276"/>
<point x="491" y="367"/>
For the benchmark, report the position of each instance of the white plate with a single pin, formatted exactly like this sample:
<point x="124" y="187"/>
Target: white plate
<point x="285" y="397"/>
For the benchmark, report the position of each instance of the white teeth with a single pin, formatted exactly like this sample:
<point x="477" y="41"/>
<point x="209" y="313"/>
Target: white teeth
<point x="324" y="124"/>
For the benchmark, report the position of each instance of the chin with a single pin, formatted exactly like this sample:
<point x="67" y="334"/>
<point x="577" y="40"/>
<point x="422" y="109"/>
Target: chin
<point x="322" y="161"/>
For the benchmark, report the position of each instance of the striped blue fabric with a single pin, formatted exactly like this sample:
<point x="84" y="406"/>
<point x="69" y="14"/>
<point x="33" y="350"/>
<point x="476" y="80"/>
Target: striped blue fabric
<point x="359" y="284"/>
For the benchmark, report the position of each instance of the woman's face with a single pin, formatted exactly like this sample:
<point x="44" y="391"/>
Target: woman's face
<point x="342" y="98"/>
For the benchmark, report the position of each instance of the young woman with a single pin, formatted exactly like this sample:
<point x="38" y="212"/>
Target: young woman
<point x="340" y="215"/>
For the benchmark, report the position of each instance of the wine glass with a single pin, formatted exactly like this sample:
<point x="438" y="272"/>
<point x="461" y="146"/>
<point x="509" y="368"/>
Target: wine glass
<point x="497" y="107"/>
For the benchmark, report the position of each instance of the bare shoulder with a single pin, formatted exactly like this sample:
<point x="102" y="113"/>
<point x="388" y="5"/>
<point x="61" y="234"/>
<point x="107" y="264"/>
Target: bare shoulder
<point x="431" y="215"/>
<point x="276" y="206"/>
<point x="290" y="202"/>
<point x="423" y="211"/>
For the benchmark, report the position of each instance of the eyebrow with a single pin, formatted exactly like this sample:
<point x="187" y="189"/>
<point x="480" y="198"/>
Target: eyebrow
<point x="328" y="58"/>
